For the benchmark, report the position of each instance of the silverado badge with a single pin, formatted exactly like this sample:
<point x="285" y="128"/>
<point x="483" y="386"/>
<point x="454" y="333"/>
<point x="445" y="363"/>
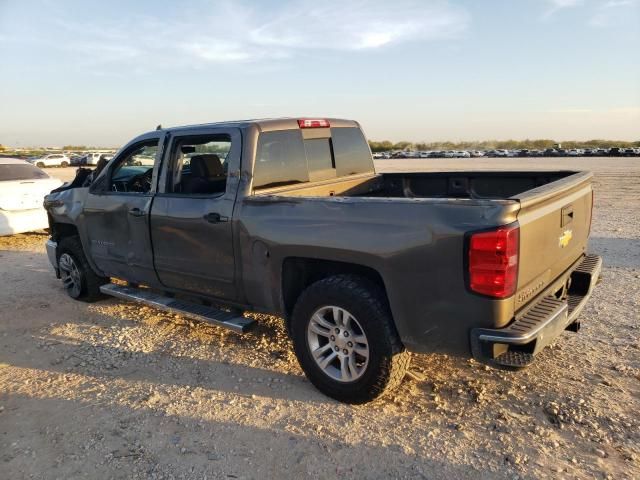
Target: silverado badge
<point x="565" y="238"/>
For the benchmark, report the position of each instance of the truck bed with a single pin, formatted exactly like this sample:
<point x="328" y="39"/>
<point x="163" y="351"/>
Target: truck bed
<point x="455" y="185"/>
<point x="415" y="226"/>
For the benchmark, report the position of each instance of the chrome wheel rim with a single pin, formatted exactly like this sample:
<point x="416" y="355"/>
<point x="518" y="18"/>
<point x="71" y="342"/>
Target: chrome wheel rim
<point x="70" y="274"/>
<point x="338" y="344"/>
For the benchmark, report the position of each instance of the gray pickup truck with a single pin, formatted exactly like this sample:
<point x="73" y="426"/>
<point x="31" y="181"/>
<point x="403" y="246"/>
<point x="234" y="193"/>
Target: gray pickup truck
<point x="289" y="217"/>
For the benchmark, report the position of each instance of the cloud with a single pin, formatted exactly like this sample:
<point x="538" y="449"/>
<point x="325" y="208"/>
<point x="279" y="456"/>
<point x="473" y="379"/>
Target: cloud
<point x="614" y="12"/>
<point x="241" y="32"/>
<point x="359" y="25"/>
<point x="603" y="13"/>
<point x="553" y="6"/>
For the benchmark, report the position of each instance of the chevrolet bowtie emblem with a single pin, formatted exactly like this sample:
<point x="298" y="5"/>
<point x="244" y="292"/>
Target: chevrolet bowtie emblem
<point x="565" y="238"/>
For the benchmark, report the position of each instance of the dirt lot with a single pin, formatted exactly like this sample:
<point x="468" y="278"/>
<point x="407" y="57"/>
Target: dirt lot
<point x="113" y="390"/>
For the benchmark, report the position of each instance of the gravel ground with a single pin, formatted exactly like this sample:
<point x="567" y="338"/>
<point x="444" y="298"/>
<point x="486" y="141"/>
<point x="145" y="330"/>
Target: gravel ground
<point x="115" y="390"/>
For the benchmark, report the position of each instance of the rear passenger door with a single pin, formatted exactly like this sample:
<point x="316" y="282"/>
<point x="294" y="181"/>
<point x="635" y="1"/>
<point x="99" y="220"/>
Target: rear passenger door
<point x="192" y="214"/>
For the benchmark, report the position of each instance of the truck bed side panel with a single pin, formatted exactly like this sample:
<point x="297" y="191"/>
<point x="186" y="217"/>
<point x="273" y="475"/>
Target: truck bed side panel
<point x="417" y="247"/>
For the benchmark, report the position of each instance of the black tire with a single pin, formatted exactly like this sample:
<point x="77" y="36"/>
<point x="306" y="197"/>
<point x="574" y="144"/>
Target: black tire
<point x="64" y="164"/>
<point x="40" y="165"/>
<point x="85" y="285"/>
<point x="387" y="359"/>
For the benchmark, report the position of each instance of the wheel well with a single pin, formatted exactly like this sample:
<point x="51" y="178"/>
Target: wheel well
<point x="298" y="273"/>
<point x="61" y="230"/>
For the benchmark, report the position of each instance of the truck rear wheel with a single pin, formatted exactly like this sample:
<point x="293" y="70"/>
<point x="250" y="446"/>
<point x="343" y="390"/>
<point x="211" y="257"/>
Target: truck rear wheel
<point x="78" y="278"/>
<point x="345" y="340"/>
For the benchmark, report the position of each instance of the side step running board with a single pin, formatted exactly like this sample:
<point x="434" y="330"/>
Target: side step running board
<point x="220" y="318"/>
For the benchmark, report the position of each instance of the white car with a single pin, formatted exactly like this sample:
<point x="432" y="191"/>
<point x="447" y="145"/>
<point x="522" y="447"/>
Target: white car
<point x="92" y="158"/>
<point x="52" y="160"/>
<point x="22" y="190"/>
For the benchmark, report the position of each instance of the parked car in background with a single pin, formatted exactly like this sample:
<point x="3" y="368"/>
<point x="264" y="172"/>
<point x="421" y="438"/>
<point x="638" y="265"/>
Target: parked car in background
<point x="92" y="158"/>
<point x="22" y="190"/>
<point x="76" y="160"/>
<point x="614" y="151"/>
<point x="51" y="160"/>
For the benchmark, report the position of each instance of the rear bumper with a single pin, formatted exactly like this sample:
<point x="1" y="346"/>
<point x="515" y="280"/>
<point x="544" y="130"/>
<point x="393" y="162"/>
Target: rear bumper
<point x="515" y="345"/>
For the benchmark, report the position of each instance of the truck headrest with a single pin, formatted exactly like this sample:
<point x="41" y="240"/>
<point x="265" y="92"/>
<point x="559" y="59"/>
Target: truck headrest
<point x="207" y="165"/>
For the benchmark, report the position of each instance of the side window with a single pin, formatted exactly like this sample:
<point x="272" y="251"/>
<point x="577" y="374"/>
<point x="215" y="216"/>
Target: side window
<point x="199" y="165"/>
<point x="134" y="169"/>
<point x="280" y="160"/>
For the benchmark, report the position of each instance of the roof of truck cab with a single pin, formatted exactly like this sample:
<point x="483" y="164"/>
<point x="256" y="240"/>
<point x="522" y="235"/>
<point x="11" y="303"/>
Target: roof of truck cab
<point x="267" y="124"/>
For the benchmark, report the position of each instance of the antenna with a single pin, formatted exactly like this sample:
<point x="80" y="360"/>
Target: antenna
<point x="159" y="127"/>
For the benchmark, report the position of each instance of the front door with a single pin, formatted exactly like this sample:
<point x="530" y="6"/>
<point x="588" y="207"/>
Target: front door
<point x="192" y="214"/>
<point x="116" y="213"/>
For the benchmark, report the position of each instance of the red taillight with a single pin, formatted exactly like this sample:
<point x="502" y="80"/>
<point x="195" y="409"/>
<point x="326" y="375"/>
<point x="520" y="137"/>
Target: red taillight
<point x="313" y="123"/>
<point x="493" y="262"/>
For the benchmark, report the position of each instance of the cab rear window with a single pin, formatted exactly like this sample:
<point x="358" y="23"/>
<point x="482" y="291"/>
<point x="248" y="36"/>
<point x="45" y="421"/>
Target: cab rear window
<point x="352" y="152"/>
<point x="20" y="171"/>
<point x="285" y="158"/>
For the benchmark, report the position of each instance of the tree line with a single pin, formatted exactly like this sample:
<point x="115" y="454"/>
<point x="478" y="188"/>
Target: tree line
<point x="539" y="144"/>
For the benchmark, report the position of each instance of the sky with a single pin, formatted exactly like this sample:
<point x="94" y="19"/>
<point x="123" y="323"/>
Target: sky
<point x="101" y="72"/>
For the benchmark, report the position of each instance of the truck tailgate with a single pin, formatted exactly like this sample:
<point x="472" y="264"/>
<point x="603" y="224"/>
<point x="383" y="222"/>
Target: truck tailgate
<point x="554" y="228"/>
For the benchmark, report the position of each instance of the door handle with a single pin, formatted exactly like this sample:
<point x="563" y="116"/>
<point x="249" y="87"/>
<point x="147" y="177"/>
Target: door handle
<point x="214" y="217"/>
<point x="136" y="212"/>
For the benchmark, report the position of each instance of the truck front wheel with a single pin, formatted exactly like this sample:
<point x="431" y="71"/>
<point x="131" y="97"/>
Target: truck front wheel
<point x="345" y="340"/>
<point x="78" y="278"/>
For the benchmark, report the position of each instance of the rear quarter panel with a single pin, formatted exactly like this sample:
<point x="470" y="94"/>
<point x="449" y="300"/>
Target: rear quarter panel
<point x="416" y="245"/>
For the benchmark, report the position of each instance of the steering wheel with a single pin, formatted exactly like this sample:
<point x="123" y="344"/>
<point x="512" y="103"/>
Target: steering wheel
<point x="140" y="183"/>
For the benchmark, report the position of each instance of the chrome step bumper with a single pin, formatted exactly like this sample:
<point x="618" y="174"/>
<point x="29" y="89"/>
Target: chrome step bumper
<point x="220" y="318"/>
<point x="516" y="345"/>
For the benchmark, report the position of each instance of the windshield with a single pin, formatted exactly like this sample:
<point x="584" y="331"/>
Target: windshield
<point x="20" y="171"/>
